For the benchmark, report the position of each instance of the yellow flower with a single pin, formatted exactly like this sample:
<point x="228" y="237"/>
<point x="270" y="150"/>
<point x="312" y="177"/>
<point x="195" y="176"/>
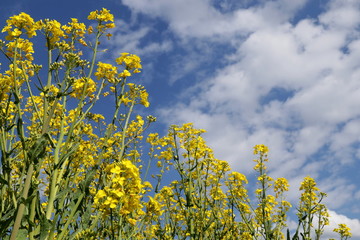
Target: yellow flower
<point x="262" y="149"/>
<point x="246" y="236"/>
<point x="144" y="98"/>
<point x="23" y="45"/>
<point x="74" y="27"/>
<point x="132" y="221"/>
<point x="125" y="100"/>
<point x="17" y="23"/>
<point x="154" y="207"/>
<point x="106" y="71"/>
<point x="86" y="85"/>
<point x="102" y="16"/>
<point x="116" y="170"/>
<point x="124" y="74"/>
<point x="111" y="202"/>
<point x="131" y="61"/>
<point x="343" y="230"/>
<point x="99" y="195"/>
<point x="281" y="185"/>
<point x="119" y="193"/>
<point x="76" y="30"/>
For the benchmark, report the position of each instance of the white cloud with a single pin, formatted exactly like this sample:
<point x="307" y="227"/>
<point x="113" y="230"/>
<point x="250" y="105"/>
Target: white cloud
<point x="342" y="140"/>
<point x="200" y="18"/>
<point x="314" y="61"/>
<point x="128" y="38"/>
<point x="182" y="15"/>
<point x="342" y="15"/>
<point x="306" y="59"/>
<point x="335" y="219"/>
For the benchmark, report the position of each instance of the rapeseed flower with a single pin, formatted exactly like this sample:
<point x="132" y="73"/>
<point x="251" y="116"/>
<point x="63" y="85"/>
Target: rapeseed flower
<point x="83" y="86"/>
<point x="19" y="23"/>
<point x="106" y="71"/>
<point x="103" y="15"/>
<point x="344" y="231"/>
<point x="53" y="31"/>
<point x="130" y="61"/>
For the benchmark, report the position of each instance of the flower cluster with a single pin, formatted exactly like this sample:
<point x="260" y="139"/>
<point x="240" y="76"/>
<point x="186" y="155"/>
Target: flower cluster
<point x="76" y="30"/>
<point x="137" y="94"/>
<point x="310" y="206"/>
<point x="52" y="30"/>
<point x="123" y="189"/>
<point x="20" y="47"/>
<point x="106" y="71"/>
<point x="102" y="16"/>
<point x="344" y="231"/>
<point x="130" y="62"/>
<point x="83" y="87"/>
<point x="19" y="23"/>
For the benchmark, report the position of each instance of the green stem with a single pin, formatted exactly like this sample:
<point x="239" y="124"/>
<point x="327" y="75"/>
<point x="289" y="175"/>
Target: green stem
<point x="32" y="217"/>
<point x="21" y="208"/>
<point x="70" y="218"/>
<point x="81" y="104"/>
<point x="46" y="119"/>
<point x="54" y="176"/>
<point x="20" y="130"/>
<point x="98" y="34"/>
<point x="124" y="131"/>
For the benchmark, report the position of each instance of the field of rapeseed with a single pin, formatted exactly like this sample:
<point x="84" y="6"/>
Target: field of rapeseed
<point x="68" y="172"/>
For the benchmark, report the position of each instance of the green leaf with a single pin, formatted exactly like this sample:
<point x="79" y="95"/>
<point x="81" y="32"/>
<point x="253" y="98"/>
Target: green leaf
<point x="45" y="226"/>
<point x="4" y="226"/>
<point x="84" y="185"/>
<point x="3" y="181"/>
<point x="288" y="234"/>
<point x="67" y="155"/>
<point x="22" y="234"/>
<point x="38" y="149"/>
<point x="302" y="235"/>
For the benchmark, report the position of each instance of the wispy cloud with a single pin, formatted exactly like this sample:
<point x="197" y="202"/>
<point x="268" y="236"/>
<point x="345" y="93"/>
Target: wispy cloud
<point x="130" y="37"/>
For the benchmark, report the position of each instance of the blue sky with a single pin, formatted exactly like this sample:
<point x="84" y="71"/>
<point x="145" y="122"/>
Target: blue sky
<point x="284" y="73"/>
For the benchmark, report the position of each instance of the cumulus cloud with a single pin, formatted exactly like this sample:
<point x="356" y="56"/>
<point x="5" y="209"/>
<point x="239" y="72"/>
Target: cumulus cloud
<point x="181" y="15"/>
<point x="202" y="19"/>
<point x="317" y="112"/>
<point x="293" y="85"/>
<point x="335" y="219"/>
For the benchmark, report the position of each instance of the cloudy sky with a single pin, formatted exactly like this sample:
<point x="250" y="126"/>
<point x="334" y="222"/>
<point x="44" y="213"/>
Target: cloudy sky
<point x="284" y="73"/>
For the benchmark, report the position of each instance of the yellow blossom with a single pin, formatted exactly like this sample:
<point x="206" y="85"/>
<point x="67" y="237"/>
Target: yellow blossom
<point x="130" y="61"/>
<point x="83" y="86"/>
<point x="343" y="230"/>
<point x="53" y="31"/>
<point x="262" y="149"/>
<point x="124" y="74"/>
<point x="103" y="15"/>
<point x="17" y="23"/>
<point x="106" y="71"/>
